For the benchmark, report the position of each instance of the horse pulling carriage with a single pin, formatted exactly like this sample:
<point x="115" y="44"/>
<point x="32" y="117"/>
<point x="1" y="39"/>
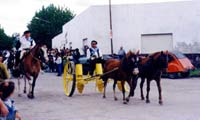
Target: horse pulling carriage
<point x="124" y="70"/>
<point x="76" y="75"/>
<point x="121" y="71"/>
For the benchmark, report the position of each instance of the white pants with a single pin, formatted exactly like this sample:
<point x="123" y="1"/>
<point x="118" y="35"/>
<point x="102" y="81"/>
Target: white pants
<point x="22" y="53"/>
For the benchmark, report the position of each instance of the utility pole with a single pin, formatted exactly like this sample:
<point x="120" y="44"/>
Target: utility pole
<point x="111" y="32"/>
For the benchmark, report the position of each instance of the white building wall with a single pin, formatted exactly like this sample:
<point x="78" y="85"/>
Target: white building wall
<point x="90" y="24"/>
<point x="182" y="19"/>
<point x="58" y="41"/>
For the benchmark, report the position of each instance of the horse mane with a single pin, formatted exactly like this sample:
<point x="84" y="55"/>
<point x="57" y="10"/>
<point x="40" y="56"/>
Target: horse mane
<point x="35" y="47"/>
<point x="129" y="53"/>
<point x="153" y="55"/>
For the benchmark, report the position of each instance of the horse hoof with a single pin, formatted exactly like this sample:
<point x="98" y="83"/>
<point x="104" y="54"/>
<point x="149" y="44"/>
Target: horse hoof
<point x="127" y="99"/>
<point x="147" y="101"/>
<point x="24" y="91"/>
<point x="161" y="102"/>
<point x="30" y="96"/>
<point x="19" y="95"/>
<point x="142" y="98"/>
<point x="132" y="94"/>
<point x="115" y="99"/>
<point x="104" y="97"/>
<point x="125" y="102"/>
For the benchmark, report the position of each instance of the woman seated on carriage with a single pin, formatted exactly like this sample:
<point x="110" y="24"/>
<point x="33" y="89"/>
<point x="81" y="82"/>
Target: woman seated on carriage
<point x="73" y="55"/>
<point x="76" y="55"/>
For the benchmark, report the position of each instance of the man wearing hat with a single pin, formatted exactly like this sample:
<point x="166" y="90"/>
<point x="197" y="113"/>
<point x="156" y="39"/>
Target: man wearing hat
<point x="26" y="43"/>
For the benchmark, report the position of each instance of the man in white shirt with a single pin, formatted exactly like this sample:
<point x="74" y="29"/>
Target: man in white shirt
<point x="26" y="43"/>
<point x="94" y="55"/>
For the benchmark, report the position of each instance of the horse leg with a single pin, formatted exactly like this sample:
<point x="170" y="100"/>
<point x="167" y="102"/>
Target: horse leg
<point x="24" y="84"/>
<point x="30" y="89"/>
<point x="19" y="91"/>
<point x="123" y="91"/>
<point x="134" y="85"/>
<point x="148" y="90"/>
<point x="159" y="91"/>
<point x="141" y="88"/>
<point x="33" y="85"/>
<point x="105" y="84"/>
<point x="114" y="86"/>
<point x="131" y="90"/>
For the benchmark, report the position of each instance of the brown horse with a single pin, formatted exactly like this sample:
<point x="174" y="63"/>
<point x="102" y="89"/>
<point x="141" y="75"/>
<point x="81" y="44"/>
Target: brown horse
<point x="151" y="68"/>
<point x="122" y="70"/>
<point x="30" y="66"/>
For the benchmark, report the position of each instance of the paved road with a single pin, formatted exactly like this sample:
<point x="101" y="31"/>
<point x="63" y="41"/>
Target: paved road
<point x="181" y="102"/>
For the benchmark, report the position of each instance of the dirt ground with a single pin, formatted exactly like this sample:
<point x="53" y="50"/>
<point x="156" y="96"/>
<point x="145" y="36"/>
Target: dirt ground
<point x="181" y="102"/>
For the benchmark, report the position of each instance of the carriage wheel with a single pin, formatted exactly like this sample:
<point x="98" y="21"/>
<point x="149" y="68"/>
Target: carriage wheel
<point x="69" y="79"/>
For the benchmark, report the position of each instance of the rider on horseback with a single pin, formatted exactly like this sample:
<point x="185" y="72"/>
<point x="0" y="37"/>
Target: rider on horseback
<point x="26" y="43"/>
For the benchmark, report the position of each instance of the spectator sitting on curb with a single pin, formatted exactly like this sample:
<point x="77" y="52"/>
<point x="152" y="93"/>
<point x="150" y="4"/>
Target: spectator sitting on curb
<point x="7" y="89"/>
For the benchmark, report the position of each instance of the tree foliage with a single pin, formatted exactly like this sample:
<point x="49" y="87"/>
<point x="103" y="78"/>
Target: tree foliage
<point x="193" y="47"/>
<point x="6" y="42"/>
<point x="48" y="22"/>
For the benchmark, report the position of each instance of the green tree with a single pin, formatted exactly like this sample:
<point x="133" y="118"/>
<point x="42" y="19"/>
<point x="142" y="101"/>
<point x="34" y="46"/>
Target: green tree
<point x="48" y="22"/>
<point x="6" y="42"/>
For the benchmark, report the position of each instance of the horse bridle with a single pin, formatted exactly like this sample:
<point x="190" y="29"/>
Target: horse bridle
<point x="125" y="65"/>
<point x="34" y="57"/>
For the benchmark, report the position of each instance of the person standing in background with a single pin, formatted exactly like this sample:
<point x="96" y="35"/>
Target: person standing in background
<point x="121" y="52"/>
<point x="59" y="64"/>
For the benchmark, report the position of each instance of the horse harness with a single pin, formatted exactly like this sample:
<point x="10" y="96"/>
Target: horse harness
<point x="34" y="57"/>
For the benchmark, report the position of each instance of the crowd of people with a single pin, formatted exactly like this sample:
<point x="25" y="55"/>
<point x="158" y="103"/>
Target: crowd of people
<point x="57" y="58"/>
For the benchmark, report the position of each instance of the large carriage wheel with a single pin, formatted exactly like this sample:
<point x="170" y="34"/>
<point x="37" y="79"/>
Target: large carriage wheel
<point x="69" y="78"/>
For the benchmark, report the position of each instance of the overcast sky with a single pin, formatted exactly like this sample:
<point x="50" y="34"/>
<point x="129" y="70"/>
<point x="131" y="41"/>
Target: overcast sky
<point x="16" y="14"/>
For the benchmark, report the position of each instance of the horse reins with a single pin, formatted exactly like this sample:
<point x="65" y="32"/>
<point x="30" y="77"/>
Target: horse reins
<point x="35" y="57"/>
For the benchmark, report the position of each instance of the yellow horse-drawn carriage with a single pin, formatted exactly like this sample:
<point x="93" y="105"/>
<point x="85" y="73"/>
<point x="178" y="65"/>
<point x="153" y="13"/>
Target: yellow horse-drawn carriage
<point x="77" y="76"/>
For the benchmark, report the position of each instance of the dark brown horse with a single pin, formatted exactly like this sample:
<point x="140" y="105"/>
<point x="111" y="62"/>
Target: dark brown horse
<point x="30" y="67"/>
<point x="151" y="68"/>
<point x="122" y="70"/>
